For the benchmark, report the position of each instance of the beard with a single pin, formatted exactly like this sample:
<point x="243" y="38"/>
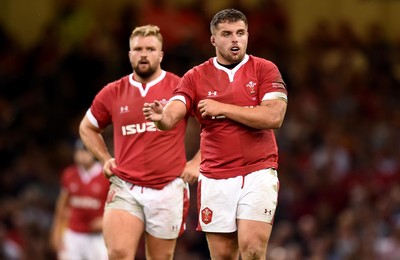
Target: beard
<point x="146" y="72"/>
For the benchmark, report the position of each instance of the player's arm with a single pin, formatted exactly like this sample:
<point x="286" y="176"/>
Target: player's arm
<point x="165" y="118"/>
<point x="94" y="142"/>
<point x="60" y="220"/>
<point x="268" y="115"/>
<point x="191" y="172"/>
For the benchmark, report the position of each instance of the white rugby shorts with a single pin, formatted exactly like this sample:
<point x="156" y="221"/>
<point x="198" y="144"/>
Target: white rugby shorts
<point x="223" y="201"/>
<point x="88" y="246"/>
<point x="162" y="211"/>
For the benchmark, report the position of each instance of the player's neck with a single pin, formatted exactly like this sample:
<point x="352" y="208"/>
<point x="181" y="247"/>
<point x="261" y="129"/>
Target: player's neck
<point x="229" y="66"/>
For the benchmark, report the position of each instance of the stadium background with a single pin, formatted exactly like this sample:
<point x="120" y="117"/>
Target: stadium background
<point x="339" y="145"/>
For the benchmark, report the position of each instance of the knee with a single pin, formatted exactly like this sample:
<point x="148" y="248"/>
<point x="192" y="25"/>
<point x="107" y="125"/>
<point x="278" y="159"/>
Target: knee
<point x="253" y="249"/>
<point x="253" y="253"/>
<point x="117" y="253"/>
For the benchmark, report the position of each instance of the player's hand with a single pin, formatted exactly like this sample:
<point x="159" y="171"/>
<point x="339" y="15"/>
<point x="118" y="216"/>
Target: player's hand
<point x="191" y="173"/>
<point x="56" y="242"/>
<point x="96" y="225"/>
<point x="108" y="166"/>
<point x="210" y="108"/>
<point x="153" y="111"/>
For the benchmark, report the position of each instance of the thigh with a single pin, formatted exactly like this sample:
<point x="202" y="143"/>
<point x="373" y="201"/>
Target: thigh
<point x="253" y="237"/>
<point x="122" y="232"/>
<point x="157" y="248"/>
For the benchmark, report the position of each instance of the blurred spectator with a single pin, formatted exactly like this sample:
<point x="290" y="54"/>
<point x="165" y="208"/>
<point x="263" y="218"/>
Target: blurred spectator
<point x="77" y="226"/>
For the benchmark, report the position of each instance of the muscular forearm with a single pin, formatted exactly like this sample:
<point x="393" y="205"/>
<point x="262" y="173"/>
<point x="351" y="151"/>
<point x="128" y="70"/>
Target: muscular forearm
<point x="166" y="122"/>
<point x="172" y="113"/>
<point x="163" y="124"/>
<point x="96" y="144"/>
<point x="94" y="141"/>
<point x="267" y="116"/>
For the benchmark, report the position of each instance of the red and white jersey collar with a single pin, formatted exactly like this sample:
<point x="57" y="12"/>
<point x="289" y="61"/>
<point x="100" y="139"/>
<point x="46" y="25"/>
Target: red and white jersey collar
<point x="231" y="73"/>
<point x="144" y="88"/>
<point x="87" y="175"/>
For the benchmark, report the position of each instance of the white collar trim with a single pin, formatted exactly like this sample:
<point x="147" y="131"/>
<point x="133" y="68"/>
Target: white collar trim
<point x="231" y="73"/>
<point x="139" y="86"/>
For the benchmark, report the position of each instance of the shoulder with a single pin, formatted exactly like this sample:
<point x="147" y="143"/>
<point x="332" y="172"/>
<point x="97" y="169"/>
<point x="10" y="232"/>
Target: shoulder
<point x="69" y="172"/>
<point x="262" y="62"/>
<point x="264" y="67"/>
<point x="113" y="87"/>
<point x="201" y="68"/>
<point x="172" y="76"/>
<point x="118" y="83"/>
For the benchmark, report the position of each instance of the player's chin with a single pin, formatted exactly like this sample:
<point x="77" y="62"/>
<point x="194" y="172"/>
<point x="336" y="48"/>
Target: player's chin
<point x="236" y="56"/>
<point x="142" y="68"/>
<point x="144" y="72"/>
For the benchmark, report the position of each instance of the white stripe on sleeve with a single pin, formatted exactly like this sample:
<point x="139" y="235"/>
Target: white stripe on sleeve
<point x="91" y="118"/>
<point x="178" y="97"/>
<point x="275" y="95"/>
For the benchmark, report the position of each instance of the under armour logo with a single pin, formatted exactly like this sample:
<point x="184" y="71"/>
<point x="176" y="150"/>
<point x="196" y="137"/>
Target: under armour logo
<point x="174" y="227"/>
<point x="212" y="93"/>
<point x="124" y="109"/>
<point x="268" y="212"/>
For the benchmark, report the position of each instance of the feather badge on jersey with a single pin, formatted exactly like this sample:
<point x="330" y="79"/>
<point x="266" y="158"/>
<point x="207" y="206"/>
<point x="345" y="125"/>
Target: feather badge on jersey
<point x="251" y="88"/>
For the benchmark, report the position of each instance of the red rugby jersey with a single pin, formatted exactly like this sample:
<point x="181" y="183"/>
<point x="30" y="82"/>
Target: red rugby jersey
<point x="145" y="155"/>
<point x="87" y="195"/>
<point x="228" y="148"/>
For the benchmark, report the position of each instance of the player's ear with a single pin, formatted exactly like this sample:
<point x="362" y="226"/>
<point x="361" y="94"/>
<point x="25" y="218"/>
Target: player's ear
<point x="161" y="56"/>
<point x="212" y="39"/>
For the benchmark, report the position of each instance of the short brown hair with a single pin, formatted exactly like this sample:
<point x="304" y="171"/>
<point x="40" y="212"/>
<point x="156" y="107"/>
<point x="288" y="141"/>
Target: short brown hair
<point x="227" y="15"/>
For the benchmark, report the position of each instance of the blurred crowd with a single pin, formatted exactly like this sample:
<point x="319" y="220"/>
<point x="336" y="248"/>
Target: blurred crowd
<point x="339" y="144"/>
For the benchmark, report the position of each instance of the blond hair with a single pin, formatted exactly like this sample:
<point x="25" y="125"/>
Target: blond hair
<point x="147" y="30"/>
